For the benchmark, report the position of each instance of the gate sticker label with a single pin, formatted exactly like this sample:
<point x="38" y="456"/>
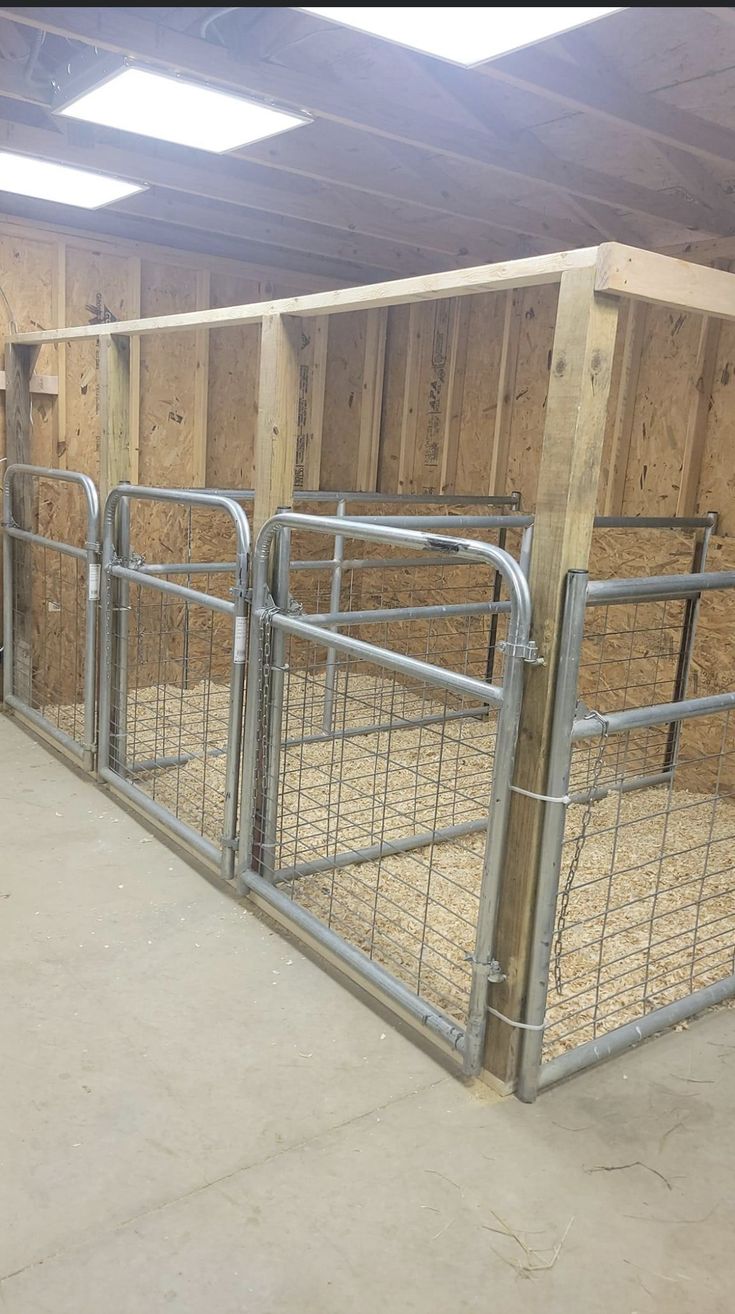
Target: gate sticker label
<point x="241" y="635"/>
<point x="94" y="582"/>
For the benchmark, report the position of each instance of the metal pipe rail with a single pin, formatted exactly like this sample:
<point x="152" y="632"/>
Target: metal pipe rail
<point x="119" y="501"/>
<point x="90" y="554"/>
<point x="640" y="718"/>
<point x="657" y="588"/>
<point x="463" y="685"/>
<point x="437" y="611"/>
<point x="508" y="699"/>
<point x="389" y="499"/>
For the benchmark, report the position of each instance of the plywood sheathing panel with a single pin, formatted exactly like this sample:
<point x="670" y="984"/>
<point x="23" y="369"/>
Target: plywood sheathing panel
<point x="717" y="481"/>
<point x="27" y="275"/>
<point x="233" y="377"/>
<point x="660" y="417"/>
<point x="97" y="291"/>
<point x="342" y="400"/>
<point x="538" y="316"/>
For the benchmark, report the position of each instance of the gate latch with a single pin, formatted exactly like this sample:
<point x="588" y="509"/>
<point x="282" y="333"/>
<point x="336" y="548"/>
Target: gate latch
<point x="528" y="651"/>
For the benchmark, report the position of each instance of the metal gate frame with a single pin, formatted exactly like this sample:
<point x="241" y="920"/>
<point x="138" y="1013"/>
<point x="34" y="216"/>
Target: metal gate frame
<point x="119" y="571"/>
<point x="268" y="625"/>
<point x="90" y="554"/>
<point x="570" y="727"/>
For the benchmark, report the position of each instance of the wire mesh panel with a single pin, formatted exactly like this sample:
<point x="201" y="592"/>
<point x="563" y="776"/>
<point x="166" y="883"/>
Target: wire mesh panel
<point x="170" y="668"/>
<point x="635" y="922"/>
<point x="646" y="910"/>
<point x="51" y="588"/>
<point x="404" y="769"/>
<point x="174" y="663"/>
<point x="378" y="827"/>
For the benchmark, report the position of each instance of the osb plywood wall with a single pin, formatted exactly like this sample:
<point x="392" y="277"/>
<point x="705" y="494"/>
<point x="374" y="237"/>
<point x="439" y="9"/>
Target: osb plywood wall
<point x="438" y="396"/>
<point x="434" y="397"/>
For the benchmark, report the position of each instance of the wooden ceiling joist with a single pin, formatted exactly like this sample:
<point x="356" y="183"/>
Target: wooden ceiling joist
<point x="411" y="164"/>
<point x="125" y="32"/>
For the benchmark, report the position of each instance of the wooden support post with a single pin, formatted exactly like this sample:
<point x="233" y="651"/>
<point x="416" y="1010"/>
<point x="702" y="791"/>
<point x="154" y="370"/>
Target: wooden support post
<point x="134" y="290"/>
<point x="60" y="442"/>
<point x="579" y="385"/>
<point x="278" y="401"/>
<point x="19" y="362"/>
<point x="507" y="374"/>
<point x="371" y="402"/>
<point x="201" y="386"/>
<point x="636" y="327"/>
<point x="115" y="462"/>
<point x="702" y="382"/>
<point x="310" y="415"/>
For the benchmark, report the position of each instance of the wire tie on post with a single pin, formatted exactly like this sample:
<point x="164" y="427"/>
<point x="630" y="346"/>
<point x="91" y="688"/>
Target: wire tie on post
<point x="543" y="798"/>
<point x="522" y="1026"/>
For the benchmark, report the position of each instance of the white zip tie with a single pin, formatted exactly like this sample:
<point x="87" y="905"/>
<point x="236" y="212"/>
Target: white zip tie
<point x="543" y="798"/>
<point x="522" y="1026"/>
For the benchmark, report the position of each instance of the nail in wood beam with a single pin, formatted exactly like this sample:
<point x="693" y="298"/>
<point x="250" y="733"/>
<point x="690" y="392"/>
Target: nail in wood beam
<point x="579" y="386"/>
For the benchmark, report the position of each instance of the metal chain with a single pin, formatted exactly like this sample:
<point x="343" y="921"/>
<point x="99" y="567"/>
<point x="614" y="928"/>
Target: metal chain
<point x="266" y="631"/>
<point x="577" y="854"/>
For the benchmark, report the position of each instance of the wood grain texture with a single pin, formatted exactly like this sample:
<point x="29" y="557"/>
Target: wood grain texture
<point x="576" y="410"/>
<point x="278" y="399"/>
<point x="115" y="464"/>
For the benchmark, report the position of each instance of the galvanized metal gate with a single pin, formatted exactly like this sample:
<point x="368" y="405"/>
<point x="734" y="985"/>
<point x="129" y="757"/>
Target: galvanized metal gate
<point x="172" y="675"/>
<point x="50" y="593"/>
<point x="354" y="826"/>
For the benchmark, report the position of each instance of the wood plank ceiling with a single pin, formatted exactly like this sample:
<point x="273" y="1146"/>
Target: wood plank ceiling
<point x="623" y="131"/>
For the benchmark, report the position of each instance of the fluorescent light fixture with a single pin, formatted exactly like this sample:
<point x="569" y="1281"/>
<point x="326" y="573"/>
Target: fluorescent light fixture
<point x="463" y="36"/>
<point x="172" y="109"/>
<point x="58" y="182"/>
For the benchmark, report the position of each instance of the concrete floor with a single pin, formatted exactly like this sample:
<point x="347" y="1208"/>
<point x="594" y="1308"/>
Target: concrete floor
<point x="196" y="1118"/>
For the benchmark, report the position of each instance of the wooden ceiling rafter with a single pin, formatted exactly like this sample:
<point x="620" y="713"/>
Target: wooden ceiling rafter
<point x="446" y="167"/>
<point x="123" y="32"/>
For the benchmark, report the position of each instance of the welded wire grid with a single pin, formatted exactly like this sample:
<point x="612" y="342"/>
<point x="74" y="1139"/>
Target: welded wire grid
<point x="651" y="906"/>
<point x="49" y="601"/>
<point x="403" y="759"/>
<point x="170" y="682"/>
<point x="631" y="657"/>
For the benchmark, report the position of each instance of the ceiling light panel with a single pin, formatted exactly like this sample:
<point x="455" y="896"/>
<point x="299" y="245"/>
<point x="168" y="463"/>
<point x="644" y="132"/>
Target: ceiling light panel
<point x="173" y="109"/>
<point x="47" y="181"/>
<point x="463" y="36"/>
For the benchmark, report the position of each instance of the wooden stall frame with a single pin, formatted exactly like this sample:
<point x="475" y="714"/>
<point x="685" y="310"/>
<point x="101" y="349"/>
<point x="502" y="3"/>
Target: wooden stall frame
<point x="593" y="282"/>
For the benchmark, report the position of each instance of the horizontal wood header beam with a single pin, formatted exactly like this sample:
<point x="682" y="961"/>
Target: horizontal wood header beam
<point x="621" y="270"/>
<point x="46" y="384"/>
<point x="528" y="272"/>
<point x="629" y="271"/>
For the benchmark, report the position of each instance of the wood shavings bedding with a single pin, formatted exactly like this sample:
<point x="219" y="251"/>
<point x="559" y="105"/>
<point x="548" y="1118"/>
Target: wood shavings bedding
<point x="651" y="911"/>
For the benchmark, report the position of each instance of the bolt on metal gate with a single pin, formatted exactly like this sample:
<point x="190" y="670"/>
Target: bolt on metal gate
<point x="172" y="675"/>
<point x="344" y="828"/>
<point x="635" y="915"/>
<point x="50" y="592"/>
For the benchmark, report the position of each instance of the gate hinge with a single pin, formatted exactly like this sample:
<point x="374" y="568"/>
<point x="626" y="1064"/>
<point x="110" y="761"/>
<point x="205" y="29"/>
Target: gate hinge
<point x="495" y="973"/>
<point x="527" y="651"/>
